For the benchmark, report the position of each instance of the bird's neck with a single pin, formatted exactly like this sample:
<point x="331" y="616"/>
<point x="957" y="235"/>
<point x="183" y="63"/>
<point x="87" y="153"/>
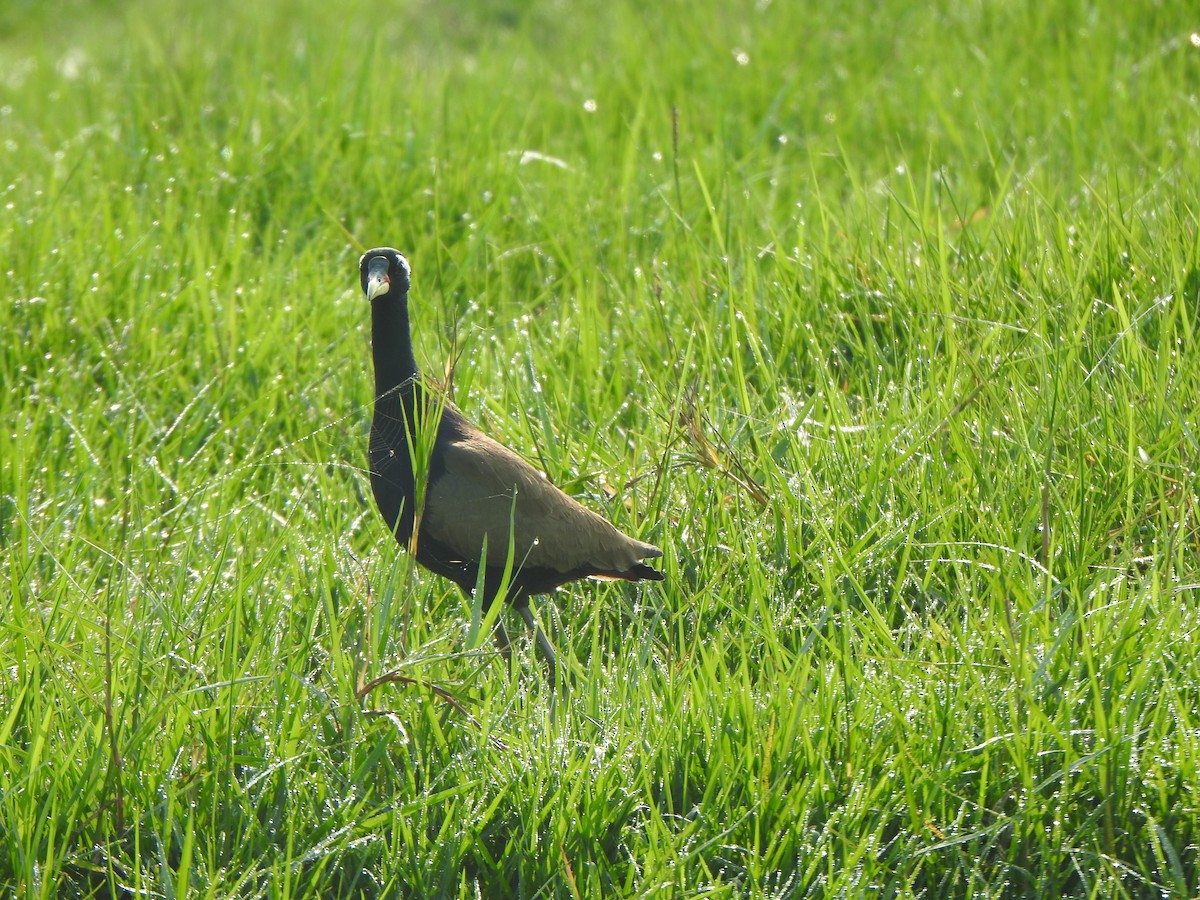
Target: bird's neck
<point x="391" y="347"/>
<point x="397" y="388"/>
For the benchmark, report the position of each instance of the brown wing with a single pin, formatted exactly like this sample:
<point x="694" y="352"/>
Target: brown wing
<point x="485" y="487"/>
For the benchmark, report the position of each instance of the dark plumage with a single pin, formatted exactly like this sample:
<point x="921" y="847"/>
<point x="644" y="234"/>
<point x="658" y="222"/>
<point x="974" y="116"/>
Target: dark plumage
<point x="475" y="486"/>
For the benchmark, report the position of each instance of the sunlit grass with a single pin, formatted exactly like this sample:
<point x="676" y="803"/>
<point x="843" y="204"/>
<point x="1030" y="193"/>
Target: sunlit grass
<point x="880" y="320"/>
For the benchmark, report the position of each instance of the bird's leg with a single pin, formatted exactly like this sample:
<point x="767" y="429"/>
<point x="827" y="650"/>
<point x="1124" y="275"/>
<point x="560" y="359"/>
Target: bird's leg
<point x="543" y="642"/>
<point x="503" y="644"/>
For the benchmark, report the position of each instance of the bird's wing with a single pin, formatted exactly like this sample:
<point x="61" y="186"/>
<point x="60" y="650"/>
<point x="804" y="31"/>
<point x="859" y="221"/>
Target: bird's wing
<point x="485" y="486"/>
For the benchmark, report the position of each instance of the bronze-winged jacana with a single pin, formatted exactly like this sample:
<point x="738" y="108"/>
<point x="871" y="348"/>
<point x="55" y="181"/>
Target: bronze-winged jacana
<point x="475" y="487"/>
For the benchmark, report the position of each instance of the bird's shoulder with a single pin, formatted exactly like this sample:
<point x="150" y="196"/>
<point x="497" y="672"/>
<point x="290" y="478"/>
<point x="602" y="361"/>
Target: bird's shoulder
<point x="468" y="455"/>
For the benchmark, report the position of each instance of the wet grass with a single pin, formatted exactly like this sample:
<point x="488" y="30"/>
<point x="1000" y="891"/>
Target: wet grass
<point x="881" y="321"/>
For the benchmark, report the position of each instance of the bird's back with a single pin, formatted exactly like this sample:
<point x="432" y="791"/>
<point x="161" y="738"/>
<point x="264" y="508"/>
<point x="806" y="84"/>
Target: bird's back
<point x="481" y="489"/>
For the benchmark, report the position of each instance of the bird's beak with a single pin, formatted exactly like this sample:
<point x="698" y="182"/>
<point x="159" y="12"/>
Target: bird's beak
<point x="378" y="282"/>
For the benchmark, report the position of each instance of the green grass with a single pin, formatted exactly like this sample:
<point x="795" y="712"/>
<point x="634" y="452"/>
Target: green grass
<point x="881" y="320"/>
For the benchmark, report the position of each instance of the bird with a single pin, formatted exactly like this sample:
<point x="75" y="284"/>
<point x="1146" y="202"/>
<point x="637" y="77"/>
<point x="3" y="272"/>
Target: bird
<point x="477" y="493"/>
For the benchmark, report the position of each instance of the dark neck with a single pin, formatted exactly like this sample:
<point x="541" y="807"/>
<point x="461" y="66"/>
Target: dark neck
<point x="396" y="388"/>
<point x="391" y="347"/>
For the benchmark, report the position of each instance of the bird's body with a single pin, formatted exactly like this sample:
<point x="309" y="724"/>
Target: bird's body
<point x="476" y="490"/>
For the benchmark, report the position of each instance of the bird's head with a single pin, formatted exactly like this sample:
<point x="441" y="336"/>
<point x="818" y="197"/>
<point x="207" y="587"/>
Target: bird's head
<point x="383" y="271"/>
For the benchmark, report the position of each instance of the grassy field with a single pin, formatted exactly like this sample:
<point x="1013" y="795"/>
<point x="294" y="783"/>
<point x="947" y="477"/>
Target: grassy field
<point x="881" y="320"/>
